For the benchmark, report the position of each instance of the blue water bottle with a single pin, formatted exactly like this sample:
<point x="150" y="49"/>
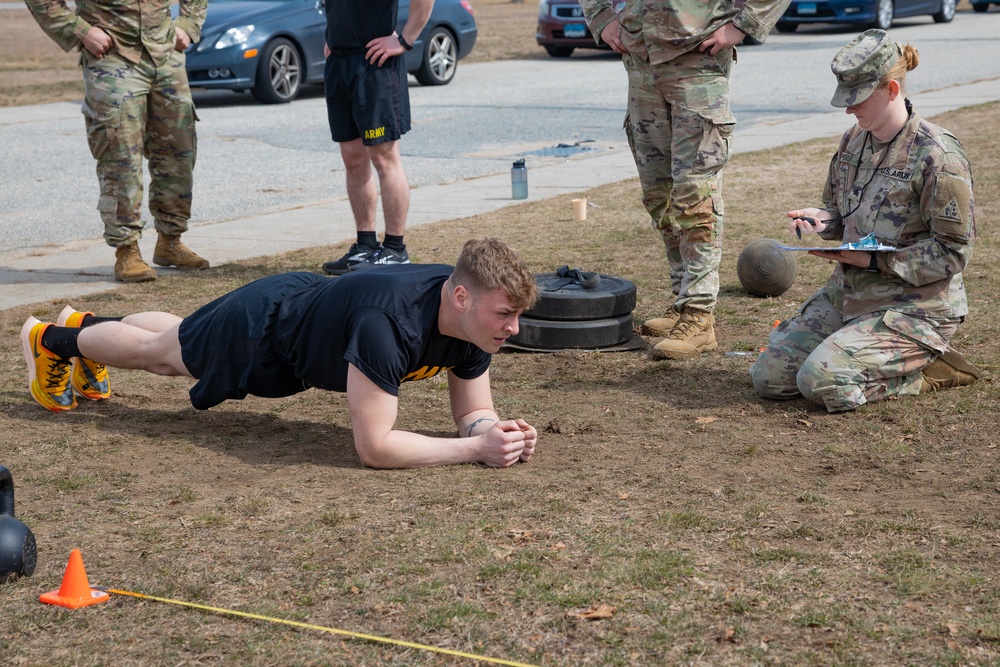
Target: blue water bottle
<point x="519" y="180"/>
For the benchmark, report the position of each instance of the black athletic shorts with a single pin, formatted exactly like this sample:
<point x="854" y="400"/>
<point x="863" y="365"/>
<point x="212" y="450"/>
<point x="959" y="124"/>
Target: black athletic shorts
<point x="365" y="100"/>
<point x="227" y="346"/>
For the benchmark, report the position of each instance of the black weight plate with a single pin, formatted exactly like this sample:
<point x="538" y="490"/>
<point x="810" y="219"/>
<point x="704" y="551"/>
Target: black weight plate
<point x="612" y="297"/>
<point x="589" y="334"/>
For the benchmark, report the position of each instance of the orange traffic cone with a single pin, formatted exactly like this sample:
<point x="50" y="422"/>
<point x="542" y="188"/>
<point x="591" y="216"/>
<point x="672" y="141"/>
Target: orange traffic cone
<point x="75" y="591"/>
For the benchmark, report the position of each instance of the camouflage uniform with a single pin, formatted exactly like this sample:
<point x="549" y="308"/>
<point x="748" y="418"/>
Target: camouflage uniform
<point x="866" y="335"/>
<point x="137" y="103"/>
<point x="678" y="123"/>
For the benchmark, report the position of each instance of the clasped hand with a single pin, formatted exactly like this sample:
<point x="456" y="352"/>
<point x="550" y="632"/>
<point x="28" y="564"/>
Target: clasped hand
<point x="508" y="442"/>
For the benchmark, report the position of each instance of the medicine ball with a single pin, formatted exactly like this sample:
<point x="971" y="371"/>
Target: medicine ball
<point x="764" y="269"/>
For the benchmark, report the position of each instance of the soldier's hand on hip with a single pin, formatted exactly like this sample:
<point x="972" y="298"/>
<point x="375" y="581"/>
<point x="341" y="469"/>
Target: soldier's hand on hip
<point x="381" y="49"/>
<point x="725" y="37"/>
<point x="97" y="41"/>
<point x="181" y="40"/>
<point x="612" y="36"/>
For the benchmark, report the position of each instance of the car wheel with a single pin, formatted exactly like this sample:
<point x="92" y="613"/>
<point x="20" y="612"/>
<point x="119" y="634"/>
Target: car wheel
<point x="440" y="58"/>
<point x="947" y="12"/>
<point x="559" y="51"/>
<point x="883" y="15"/>
<point x="980" y="7"/>
<point x="785" y="26"/>
<point x="279" y="73"/>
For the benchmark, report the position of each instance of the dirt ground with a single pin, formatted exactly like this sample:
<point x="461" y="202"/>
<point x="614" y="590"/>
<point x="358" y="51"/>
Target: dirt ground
<point x="670" y="516"/>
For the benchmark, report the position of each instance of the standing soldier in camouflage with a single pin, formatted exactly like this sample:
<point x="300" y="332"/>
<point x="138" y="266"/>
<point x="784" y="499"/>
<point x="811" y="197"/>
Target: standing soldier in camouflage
<point x="137" y="103"/>
<point x="678" y="55"/>
<point x="881" y="324"/>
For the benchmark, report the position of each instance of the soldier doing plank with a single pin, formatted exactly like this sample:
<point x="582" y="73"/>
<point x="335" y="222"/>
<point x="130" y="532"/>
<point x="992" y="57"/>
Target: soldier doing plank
<point x="363" y="334"/>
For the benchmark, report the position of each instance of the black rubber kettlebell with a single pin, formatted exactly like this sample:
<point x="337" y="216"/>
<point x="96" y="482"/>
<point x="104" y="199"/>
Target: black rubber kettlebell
<point x="18" y="551"/>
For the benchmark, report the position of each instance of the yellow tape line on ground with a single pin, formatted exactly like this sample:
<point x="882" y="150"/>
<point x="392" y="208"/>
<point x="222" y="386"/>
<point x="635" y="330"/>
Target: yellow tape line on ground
<point x="347" y="633"/>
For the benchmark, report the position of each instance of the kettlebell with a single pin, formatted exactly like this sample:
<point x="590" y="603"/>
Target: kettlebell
<point x="18" y="551"/>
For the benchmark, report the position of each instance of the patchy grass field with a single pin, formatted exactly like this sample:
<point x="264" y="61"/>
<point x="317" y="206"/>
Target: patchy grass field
<point x="715" y="527"/>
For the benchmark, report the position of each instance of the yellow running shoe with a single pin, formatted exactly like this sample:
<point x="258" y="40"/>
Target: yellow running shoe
<point x="48" y="375"/>
<point x="89" y="378"/>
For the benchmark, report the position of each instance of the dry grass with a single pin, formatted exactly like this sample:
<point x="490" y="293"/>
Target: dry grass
<point x="721" y="528"/>
<point x="506" y="31"/>
<point x="33" y="69"/>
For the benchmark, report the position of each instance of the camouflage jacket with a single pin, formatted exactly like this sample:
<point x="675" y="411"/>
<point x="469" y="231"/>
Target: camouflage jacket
<point x="664" y="29"/>
<point x="919" y="199"/>
<point x="134" y="25"/>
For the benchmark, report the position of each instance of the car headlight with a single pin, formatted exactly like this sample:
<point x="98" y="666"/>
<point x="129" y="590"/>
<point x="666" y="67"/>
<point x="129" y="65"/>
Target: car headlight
<point x="233" y="36"/>
<point x="543" y="6"/>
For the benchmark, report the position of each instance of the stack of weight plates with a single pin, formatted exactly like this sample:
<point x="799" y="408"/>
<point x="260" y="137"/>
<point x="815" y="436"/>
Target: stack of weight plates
<point x="578" y="310"/>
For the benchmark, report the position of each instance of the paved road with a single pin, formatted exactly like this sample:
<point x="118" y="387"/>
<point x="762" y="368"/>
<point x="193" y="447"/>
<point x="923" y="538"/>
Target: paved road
<point x="273" y="169"/>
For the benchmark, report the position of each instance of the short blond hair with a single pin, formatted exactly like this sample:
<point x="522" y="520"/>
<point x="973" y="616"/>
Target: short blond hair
<point x="488" y="264"/>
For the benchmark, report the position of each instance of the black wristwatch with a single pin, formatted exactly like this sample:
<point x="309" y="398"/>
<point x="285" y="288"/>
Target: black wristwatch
<point x="404" y="44"/>
<point x="873" y="263"/>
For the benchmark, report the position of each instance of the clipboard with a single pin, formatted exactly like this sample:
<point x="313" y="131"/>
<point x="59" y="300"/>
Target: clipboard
<point x="867" y="244"/>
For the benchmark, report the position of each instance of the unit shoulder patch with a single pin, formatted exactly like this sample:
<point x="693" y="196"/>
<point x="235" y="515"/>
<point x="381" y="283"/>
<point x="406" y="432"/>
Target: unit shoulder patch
<point x="952" y="206"/>
<point x="951" y="212"/>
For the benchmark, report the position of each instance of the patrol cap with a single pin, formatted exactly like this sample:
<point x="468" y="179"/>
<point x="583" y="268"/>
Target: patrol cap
<point x="859" y="66"/>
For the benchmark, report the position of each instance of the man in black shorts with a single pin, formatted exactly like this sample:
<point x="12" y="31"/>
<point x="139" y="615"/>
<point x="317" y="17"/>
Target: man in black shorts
<point x="368" y="106"/>
<point x="363" y="334"/>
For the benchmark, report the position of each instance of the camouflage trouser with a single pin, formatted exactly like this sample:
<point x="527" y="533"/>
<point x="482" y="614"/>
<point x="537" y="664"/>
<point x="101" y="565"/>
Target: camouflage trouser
<point x="842" y="365"/>
<point x="679" y="128"/>
<point x="135" y="110"/>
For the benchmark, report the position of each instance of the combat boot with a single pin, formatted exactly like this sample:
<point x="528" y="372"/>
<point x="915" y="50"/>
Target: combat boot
<point x="170" y="251"/>
<point x="693" y="334"/>
<point x="949" y="370"/>
<point x="661" y="326"/>
<point x="130" y="267"/>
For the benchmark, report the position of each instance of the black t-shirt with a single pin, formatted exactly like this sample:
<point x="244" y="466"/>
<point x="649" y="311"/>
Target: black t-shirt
<point x="383" y="320"/>
<point x="351" y="24"/>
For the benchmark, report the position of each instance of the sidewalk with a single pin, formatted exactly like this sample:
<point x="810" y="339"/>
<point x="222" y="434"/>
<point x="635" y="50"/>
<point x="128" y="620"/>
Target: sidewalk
<point x="70" y="271"/>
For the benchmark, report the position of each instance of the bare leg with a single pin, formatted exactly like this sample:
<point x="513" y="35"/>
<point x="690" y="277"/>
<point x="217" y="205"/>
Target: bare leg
<point x="125" y="345"/>
<point x="392" y="181"/>
<point x="361" y="190"/>
<point x="152" y="321"/>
